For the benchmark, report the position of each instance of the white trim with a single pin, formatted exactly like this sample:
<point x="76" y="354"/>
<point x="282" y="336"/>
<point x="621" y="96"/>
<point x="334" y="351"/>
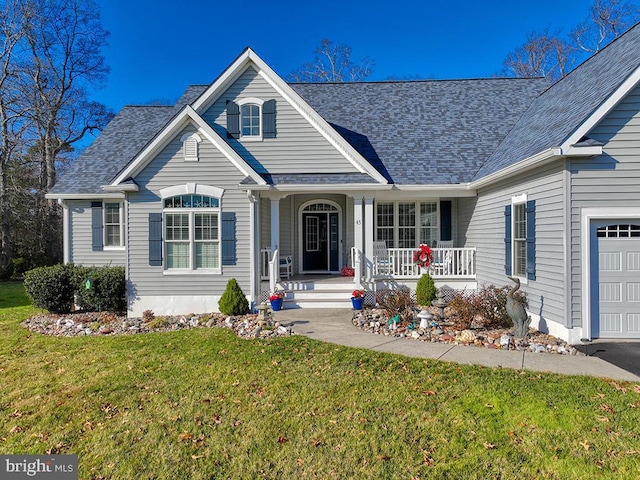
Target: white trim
<point x="301" y="234"/>
<point x="587" y="215"/>
<point x="603" y="110"/>
<point x="167" y="134"/>
<point x="66" y="231"/>
<point x="172" y="304"/>
<point x="121" y="225"/>
<point x="85" y="196"/>
<point x="540" y="158"/>
<point x="191" y="189"/>
<point x="587" y="151"/>
<point x="253" y="100"/>
<point x="190" y="136"/>
<point x="518" y="200"/>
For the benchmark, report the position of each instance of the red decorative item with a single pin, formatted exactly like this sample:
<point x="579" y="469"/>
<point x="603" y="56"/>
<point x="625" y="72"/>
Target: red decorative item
<point x="277" y="295"/>
<point x="357" y="294"/>
<point x="423" y="256"/>
<point x="347" y="271"/>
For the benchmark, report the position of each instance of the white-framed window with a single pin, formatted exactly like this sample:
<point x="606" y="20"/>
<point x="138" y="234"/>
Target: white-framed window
<point x="190" y="146"/>
<point x="520" y="238"/>
<point x="192" y="233"/>
<point x="407" y="224"/>
<point x="251" y="118"/>
<point x="113" y="224"/>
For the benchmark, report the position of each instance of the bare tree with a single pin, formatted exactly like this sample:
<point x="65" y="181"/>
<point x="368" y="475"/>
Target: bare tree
<point x="12" y="20"/>
<point x="607" y="20"/>
<point x="332" y="63"/>
<point x="548" y="55"/>
<point x="542" y="55"/>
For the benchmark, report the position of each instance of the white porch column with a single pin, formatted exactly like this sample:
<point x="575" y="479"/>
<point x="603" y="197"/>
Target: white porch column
<point x="275" y="223"/>
<point x="358" y="225"/>
<point x="368" y="235"/>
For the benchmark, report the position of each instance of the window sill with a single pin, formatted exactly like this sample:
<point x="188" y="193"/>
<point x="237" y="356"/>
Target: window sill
<point x="185" y="271"/>
<point x="251" y="139"/>
<point x="114" y="249"/>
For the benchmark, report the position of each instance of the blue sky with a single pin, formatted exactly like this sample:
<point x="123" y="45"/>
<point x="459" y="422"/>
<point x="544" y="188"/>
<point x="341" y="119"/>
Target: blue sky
<point x="158" y="47"/>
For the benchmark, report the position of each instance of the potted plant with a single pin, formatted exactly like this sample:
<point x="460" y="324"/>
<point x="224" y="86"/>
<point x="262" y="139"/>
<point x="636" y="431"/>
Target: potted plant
<point x="276" y="300"/>
<point x="357" y="299"/>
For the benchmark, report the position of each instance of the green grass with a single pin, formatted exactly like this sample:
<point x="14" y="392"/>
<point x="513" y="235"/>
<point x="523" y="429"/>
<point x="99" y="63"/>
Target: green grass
<point x="201" y="404"/>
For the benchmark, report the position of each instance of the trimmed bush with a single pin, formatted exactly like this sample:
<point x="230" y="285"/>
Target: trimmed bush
<point x="233" y="300"/>
<point x="425" y="290"/>
<point x="51" y="288"/>
<point x="107" y="290"/>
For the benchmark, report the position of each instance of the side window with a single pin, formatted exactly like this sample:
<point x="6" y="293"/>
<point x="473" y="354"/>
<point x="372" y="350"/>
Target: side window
<point x="107" y="225"/>
<point x="251" y="126"/>
<point x="520" y="241"/>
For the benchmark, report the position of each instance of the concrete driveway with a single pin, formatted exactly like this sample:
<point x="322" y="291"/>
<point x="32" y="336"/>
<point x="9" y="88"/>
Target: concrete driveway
<point x="623" y="354"/>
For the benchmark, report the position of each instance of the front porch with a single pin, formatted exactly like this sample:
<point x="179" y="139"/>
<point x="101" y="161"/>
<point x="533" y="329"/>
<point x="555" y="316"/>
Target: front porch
<point x="452" y="268"/>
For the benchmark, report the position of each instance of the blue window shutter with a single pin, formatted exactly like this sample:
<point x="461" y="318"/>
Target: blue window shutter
<point x="155" y="239"/>
<point x="531" y="239"/>
<point x="269" y="119"/>
<point x="445" y="220"/>
<point x="233" y="120"/>
<point x="228" y="238"/>
<point x="97" y="227"/>
<point x="507" y="239"/>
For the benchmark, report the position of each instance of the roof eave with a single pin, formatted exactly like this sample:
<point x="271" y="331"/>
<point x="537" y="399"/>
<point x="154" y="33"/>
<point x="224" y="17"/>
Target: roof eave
<point x="541" y="158"/>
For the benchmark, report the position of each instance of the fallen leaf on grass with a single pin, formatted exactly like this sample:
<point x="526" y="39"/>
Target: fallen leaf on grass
<point x="429" y="392"/>
<point x="15" y="429"/>
<point x="585" y="445"/>
<point x="607" y="408"/>
<point x="195" y="457"/>
<point x="283" y="439"/>
<point x="489" y="446"/>
<point x="383" y="457"/>
<point x="185" y="437"/>
<point x="604" y="419"/>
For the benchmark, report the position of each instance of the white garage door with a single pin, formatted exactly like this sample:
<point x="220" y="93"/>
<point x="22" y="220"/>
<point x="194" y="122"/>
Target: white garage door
<point x="618" y="250"/>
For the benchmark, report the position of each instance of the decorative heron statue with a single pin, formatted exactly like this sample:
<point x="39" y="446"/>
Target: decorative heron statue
<point x="517" y="312"/>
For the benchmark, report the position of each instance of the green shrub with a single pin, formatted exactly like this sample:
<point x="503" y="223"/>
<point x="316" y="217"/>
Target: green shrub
<point x="107" y="290"/>
<point x="233" y="300"/>
<point x="425" y="290"/>
<point x="51" y="288"/>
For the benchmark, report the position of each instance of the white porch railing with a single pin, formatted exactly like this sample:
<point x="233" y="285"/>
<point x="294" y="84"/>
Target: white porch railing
<point x="447" y="263"/>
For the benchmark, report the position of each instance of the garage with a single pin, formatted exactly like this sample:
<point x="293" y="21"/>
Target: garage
<point x="616" y="279"/>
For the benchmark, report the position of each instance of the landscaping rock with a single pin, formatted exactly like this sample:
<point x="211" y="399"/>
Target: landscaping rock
<point x="372" y="320"/>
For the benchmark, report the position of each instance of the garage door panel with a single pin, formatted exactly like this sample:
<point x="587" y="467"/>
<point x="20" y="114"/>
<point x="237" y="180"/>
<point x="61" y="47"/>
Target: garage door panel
<point x="617" y="281"/>
<point x="610" y="323"/>
<point x="610" y="292"/>
<point x="610" y="262"/>
<point x="633" y="323"/>
<point x="633" y="261"/>
<point x="633" y="292"/>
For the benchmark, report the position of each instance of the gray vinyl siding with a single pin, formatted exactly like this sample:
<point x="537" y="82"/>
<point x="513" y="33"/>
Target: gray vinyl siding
<point x="168" y="169"/>
<point x="609" y="180"/>
<point x="298" y="146"/>
<point x="80" y="238"/>
<point x="485" y="231"/>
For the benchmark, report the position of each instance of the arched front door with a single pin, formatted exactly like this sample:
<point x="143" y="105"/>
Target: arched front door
<point x="320" y="237"/>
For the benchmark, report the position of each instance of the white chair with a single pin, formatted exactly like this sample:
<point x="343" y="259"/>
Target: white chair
<point x="381" y="258"/>
<point x="286" y="266"/>
<point x="444" y="263"/>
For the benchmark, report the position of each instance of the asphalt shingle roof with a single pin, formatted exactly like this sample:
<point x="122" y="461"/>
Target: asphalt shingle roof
<point x="127" y="133"/>
<point x="415" y="132"/>
<point x="424" y="132"/>
<point x="556" y="114"/>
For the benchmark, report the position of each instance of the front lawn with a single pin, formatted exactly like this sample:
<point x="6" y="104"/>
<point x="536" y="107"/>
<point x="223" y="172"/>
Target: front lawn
<point x="202" y="404"/>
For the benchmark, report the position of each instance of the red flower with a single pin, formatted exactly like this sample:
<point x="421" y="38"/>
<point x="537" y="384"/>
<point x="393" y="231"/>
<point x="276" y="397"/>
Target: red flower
<point x="277" y="295"/>
<point x="423" y="256"/>
<point x="357" y="294"/>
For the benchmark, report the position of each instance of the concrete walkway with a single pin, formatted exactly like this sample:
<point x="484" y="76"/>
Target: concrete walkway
<point x="334" y="326"/>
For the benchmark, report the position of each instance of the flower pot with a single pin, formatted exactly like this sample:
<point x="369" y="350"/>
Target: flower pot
<point x="276" y="304"/>
<point x="357" y="303"/>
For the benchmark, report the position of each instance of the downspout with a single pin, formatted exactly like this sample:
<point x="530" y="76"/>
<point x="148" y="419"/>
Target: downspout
<point x="255" y="272"/>
<point x="66" y="228"/>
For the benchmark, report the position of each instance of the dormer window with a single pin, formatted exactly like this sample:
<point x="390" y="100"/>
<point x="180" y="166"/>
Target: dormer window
<point x="251" y="119"/>
<point x="190" y="143"/>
